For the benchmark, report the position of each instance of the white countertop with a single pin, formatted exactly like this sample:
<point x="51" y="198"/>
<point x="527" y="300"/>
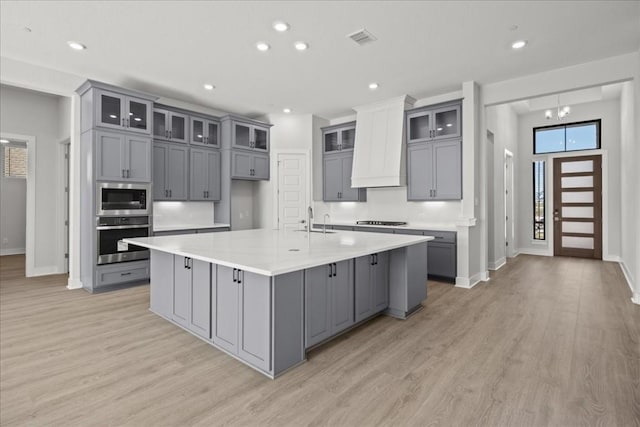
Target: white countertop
<point x="188" y="226"/>
<point x="273" y="252"/>
<point x="408" y="226"/>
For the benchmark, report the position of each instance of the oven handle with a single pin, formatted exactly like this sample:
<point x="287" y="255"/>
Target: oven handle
<point x="121" y="227"/>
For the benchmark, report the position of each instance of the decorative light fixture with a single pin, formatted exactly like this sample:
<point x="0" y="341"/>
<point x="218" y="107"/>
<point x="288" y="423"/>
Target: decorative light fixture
<point x="301" y="46"/>
<point x="561" y="112"/>
<point x="262" y="46"/>
<point x="76" y="46"/>
<point x="280" y="26"/>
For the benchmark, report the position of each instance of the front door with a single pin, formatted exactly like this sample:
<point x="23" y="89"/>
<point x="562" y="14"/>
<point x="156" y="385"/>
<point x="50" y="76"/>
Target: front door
<point x="577" y="206"/>
<point x="292" y="190"/>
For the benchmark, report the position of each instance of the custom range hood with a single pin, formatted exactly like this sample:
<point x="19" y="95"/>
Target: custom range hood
<point x="378" y="155"/>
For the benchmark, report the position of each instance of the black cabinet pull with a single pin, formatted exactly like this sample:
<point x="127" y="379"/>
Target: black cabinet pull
<point x="372" y="260"/>
<point x="185" y="262"/>
<point x="330" y="270"/>
<point x="123" y="122"/>
<point x="234" y="275"/>
<point x="376" y="258"/>
<point x="166" y="134"/>
<point x="125" y="274"/>
<point x="240" y="272"/>
<point x="335" y="270"/>
<point x="170" y="134"/>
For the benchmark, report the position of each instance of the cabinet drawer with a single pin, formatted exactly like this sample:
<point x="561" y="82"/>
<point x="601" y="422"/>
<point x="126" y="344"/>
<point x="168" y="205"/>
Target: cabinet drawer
<point x="122" y="273"/>
<point x="442" y="236"/>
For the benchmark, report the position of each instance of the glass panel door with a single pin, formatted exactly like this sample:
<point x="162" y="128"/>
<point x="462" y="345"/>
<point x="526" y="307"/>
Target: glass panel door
<point x="347" y="139"/>
<point x="242" y="135"/>
<point x="331" y="142"/>
<point x="447" y="122"/>
<point x="178" y="127"/>
<point x="138" y="115"/>
<point x="197" y="131"/>
<point x="419" y="127"/>
<point x="160" y="124"/>
<point x="261" y="138"/>
<point x="212" y="134"/>
<point x="110" y="110"/>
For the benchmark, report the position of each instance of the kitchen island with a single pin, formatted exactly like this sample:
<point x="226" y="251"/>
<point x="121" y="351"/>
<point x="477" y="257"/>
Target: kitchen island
<point x="267" y="296"/>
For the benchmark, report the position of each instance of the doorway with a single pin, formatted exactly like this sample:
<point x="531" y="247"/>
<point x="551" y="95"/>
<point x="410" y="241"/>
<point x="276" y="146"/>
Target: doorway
<point x="292" y="190"/>
<point x="509" y="211"/>
<point x="577" y="206"/>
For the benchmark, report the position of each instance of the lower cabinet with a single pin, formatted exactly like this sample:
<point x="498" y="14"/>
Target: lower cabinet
<point x="192" y="295"/>
<point x="371" y="285"/>
<point x="241" y="315"/>
<point x="441" y="260"/>
<point x="329" y="297"/>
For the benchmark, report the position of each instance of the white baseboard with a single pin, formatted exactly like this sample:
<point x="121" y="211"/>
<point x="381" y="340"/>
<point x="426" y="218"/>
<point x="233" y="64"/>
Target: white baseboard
<point x="497" y="264"/>
<point x="12" y="251"/>
<point x="469" y="282"/>
<point x="74" y="284"/>
<point x="636" y="298"/>
<point x="532" y="251"/>
<point x="44" y="271"/>
<point x="611" y="258"/>
<point x="484" y="276"/>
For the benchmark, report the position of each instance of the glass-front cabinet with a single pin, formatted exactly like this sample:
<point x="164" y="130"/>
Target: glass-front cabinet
<point x="169" y="125"/>
<point x="205" y="132"/>
<point x="250" y="136"/>
<point x="428" y="124"/>
<point x="339" y="138"/>
<point x="123" y="112"/>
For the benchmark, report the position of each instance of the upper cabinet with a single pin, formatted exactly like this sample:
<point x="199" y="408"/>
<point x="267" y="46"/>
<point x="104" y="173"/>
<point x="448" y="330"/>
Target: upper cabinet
<point x="339" y="138"/>
<point x="170" y="125"/>
<point x="121" y="157"/>
<point x="434" y="123"/>
<point x="205" y="132"/>
<point x="110" y="107"/>
<point x="249" y="136"/>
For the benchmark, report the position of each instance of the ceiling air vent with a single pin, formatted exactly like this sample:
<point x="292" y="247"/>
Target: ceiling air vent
<point x="362" y="37"/>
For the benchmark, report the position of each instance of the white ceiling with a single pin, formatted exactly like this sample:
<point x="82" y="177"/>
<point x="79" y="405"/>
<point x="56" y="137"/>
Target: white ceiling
<point x="582" y="96"/>
<point x="171" y="48"/>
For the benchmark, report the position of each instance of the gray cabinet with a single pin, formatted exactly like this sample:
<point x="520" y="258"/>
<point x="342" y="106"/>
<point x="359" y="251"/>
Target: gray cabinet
<point x="122" y="157"/>
<point x="434" y="123"/>
<point x="250" y="136"/>
<point x="441" y="253"/>
<point x="241" y="315"/>
<point x="371" y="285"/>
<point x="336" y="175"/>
<point x="434" y="170"/>
<point x="205" y="175"/>
<point x="249" y="165"/>
<point x="192" y="295"/>
<point x="205" y="132"/>
<point x="329" y="301"/>
<point x="170" y="171"/>
<point x="122" y="112"/>
<point x="161" y="287"/>
<point x="339" y="138"/>
<point x="170" y="125"/>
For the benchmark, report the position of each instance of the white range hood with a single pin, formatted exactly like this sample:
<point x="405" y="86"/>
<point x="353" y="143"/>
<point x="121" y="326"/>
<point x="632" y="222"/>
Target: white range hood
<point x="378" y="156"/>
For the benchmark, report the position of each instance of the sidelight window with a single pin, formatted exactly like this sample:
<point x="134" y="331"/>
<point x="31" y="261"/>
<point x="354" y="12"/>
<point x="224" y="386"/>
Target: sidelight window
<point x="538" y="200"/>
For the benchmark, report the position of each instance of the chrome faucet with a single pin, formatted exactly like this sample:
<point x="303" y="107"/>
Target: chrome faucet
<point x="309" y="218"/>
<point x="324" y="226"/>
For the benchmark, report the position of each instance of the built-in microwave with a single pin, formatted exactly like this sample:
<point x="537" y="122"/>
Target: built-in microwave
<point x="122" y="199"/>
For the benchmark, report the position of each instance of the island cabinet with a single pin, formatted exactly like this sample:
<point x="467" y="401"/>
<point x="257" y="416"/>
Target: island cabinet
<point x="329" y="298"/>
<point x="205" y="175"/>
<point x="170" y="171"/>
<point x="371" y="285"/>
<point x="192" y="281"/>
<point x="122" y="157"/>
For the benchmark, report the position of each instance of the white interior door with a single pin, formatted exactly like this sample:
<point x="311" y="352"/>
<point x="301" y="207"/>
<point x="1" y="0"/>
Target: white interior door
<point x="292" y="190"/>
<point x="509" y="211"/>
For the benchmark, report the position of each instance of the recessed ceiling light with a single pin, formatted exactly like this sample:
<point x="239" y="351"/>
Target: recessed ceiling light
<point x="280" y="26"/>
<point x="373" y="86"/>
<point x="262" y="46"/>
<point x="4" y="141"/>
<point x="301" y="46"/>
<point x="519" y="44"/>
<point x="286" y="110"/>
<point x="209" y="86"/>
<point x="76" y="45"/>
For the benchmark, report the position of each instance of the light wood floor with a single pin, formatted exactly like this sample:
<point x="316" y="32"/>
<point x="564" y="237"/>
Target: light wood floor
<point x="548" y="341"/>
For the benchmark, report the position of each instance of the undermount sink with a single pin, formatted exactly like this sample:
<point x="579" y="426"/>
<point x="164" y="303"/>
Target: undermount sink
<point x="317" y="231"/>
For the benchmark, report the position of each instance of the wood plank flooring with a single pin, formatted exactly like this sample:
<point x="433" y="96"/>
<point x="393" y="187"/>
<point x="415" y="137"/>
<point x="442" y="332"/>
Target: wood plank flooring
<point x="547" y="341"/>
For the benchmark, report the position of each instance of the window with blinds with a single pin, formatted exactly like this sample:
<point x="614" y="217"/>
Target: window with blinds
<point x="14" y="162"/>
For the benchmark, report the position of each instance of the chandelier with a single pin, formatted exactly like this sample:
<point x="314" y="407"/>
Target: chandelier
<point x="561" y="112"/>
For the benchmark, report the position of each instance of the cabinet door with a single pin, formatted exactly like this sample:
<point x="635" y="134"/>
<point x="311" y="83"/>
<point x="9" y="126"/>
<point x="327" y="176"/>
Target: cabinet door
<point x="441" y="259"/>
<point x="331" y="141"/>
<point x="160" y="124"/>
<point x="342" y="315"/>
<point x="110" y="164"/>
<point x="199" y="174"/>
<point x="178" y="127"/>
<point x="261" y="166"/>
<point x="177" y="172"/>
<point x="241" y="137"/>
<point x="381" y="282"/>
<point x="317" y="304"/>
<point x="181" y="291"/>
<point x="138" y="158"/>
<point x="138" y="115"/>
<point x="199" y="319"/>
<point x="419" y="126"/>
<point x="241" y="164"/>
<point x="447" y="165"/>
<point x="161" y="283"/>
<point x="419" y="170"/>
<point x="363" y="287"/>
<point x="447" y="122"/>
<point x="212" y="134"/>
<point x="110" y="110"/>
<point x="347" y="139"/>
<point x="197" y="131"/>
<point x="160" y="156"/>
<point x="332" y="178"/>
<point x="214" y="175"/>
<point x="348" y="194"/>
<point x="224" y="310"/>
<point x="255" y="320"/>
<point x="260" y="138"/>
